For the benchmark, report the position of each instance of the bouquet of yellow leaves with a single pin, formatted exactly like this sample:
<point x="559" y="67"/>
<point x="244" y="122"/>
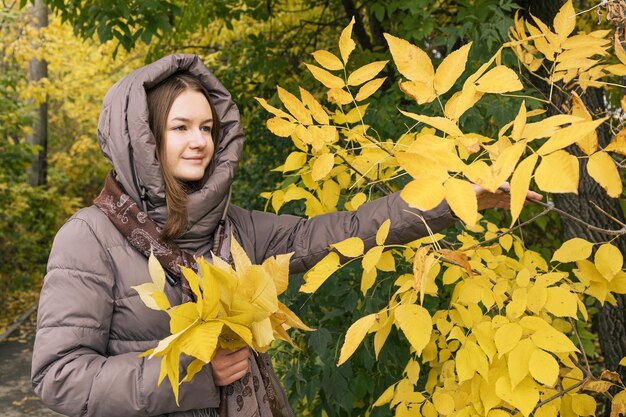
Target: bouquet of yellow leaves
<point x="233" y="308"/>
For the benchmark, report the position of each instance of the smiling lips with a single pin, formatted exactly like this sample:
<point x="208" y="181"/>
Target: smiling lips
<point x="194" y="159"/>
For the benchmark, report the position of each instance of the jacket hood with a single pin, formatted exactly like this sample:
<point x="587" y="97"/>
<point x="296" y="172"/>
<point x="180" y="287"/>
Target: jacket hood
<point x="127" y="142"/>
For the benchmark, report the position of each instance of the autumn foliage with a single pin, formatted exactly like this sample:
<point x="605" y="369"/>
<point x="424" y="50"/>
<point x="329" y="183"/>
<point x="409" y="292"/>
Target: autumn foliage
<point x="505" y="341"/>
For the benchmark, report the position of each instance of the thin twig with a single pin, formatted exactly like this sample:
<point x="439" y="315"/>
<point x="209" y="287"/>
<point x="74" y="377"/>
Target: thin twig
<point x="558" y="394"/>
<point x="383" y="188"/>
<point x="600" y="209"/>
<point x="582" y="349"/>
<point x="532" y="219"/>
<point x="618" y="232"/>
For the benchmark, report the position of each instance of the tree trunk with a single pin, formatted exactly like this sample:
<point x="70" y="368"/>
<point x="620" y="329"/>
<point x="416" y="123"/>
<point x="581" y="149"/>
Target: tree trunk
<point x="611" y="321"/>
<point x="38" y="69"/>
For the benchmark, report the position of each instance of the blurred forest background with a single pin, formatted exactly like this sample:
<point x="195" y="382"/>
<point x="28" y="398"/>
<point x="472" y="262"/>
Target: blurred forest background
<point x="58" y="58"/>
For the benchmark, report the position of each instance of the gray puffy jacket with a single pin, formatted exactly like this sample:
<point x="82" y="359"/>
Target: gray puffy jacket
<point x="91" y="323"/>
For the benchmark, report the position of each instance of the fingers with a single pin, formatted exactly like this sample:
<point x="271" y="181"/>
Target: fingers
<point x="229" y="366"/>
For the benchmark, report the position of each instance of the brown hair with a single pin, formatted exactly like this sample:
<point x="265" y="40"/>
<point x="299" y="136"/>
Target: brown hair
<point x="160" y="100"/>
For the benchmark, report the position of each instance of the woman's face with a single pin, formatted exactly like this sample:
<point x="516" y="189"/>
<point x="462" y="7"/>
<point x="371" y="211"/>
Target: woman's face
<point x="188" y="141"/>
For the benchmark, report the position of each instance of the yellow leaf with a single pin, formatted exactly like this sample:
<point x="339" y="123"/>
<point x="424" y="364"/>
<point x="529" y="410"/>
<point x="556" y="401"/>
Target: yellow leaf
<point x="519" y="123"/>
<point x="617" y="69"/>
<point x="573" y="250"/>
<point x="356" y="114"/>
<point x="451" y="69"/>
<point x="317" y="275"/>
<point x="499" y="80"/>
<point x="618" y="143"/>
<point x="295" y="106"/>
<point x="326" y="78"/>
<point x="354" y="336"/>
<point x="543" y="367"/>
<point x="416" y="324"/>
<point x="537" y="297"/>
<point x="240" y="258"/>
<point x="294" y="161"/>
<point x="561" y="302"/>
<point x="524" y="397"/>
<point x="507" y="336"/>
<point x="423" y="195"/>
<point x="412" y="371"/>
<point x="461" y="197"/>
<point x="422" y="92"/>
<point x="381" y="334"/>
<point x="411" y="61"/>
<point x="569" y="135"/>
<point x="520" y="183"/>
<point x="443" y="402"/>
<point x="602" y="168"/>
<point x="194" y="283"/>
<point x="366" y="73"/>
<point x="619" y="50"/>
<point x="357" y="200"/>
<point x="506" y="161"/>
<point x="278" y="268"/>
<point x="346" y="44"/>
<point x="280" y="127"/>
<point x="583" y="405"/>
<point x="422" y="264"/>
<point x="147" y="292"/>
<point x="291" y="319"/>
<point x="322" y="166"/>
<point x="350" y="247"/>
<point x="565" y="21"/>
<point x="369" y="88"/>
<point x="328" y="60"/>
<point x="317" y="111"/>
<point x="551" y="340"/>
<point x="589" y="143"/>
<point x="440" y="123"/>
<point x="276" y="112"/>
<point x="461" y="101"/>
<point x="372" y="257"/>
<point x="383" y="231"/>
<point x="329" y="195"/>
<point x="368" y="278"/>
<point x="339" y="96"/>
<point x="548" y="126"/>
<point x="157" y="273"/>
<point x="385" y="397"/>
<point x="567" y="167"/>
<point x="608" y="260"/>
<point x="518" y="361"/>
<point x="201" y="340"/>
<point x="464" y="364"/>
<point x="618" y="405"/>
<point x="194" y="367"/>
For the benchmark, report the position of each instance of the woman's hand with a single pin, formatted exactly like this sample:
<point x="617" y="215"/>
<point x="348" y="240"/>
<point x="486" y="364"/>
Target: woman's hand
<point x="229" y="366"/>
<point x="500" y="199"/>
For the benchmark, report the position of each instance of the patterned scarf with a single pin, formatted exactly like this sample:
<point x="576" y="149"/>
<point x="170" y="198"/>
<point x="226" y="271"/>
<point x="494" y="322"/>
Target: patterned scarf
<point x="258" y="393"/>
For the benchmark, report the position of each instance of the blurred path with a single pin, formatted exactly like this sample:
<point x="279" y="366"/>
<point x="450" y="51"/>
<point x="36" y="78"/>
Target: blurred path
<point x="16" y="394"/>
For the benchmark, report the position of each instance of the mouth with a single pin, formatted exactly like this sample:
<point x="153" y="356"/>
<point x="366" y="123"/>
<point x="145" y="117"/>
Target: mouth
<point x="196" y="159"/>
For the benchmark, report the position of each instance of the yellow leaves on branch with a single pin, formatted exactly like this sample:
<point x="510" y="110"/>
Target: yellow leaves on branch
<point x="504" y="341"/>
<point x="233" y="308"/>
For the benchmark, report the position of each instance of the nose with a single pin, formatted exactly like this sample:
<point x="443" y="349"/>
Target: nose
<point x="198" y="139"/>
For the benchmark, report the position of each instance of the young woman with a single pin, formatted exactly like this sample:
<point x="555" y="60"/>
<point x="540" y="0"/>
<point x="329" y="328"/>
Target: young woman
<point x="174" y="138"/>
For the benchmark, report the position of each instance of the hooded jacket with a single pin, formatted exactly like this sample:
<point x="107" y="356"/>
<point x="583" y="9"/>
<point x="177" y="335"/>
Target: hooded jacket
<point x="92" y="325"/>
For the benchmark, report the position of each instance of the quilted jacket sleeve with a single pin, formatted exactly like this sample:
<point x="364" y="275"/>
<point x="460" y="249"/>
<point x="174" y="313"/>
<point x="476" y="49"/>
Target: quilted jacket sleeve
<point x="309" y="239"/>
<point x="71" y="371"/>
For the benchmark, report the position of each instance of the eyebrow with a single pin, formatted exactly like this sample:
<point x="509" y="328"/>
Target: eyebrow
<point x="184" y="119"/>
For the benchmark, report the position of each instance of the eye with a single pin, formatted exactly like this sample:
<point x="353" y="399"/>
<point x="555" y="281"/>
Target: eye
<point x="179" y="128"/>
<point x="206" y="129"/>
